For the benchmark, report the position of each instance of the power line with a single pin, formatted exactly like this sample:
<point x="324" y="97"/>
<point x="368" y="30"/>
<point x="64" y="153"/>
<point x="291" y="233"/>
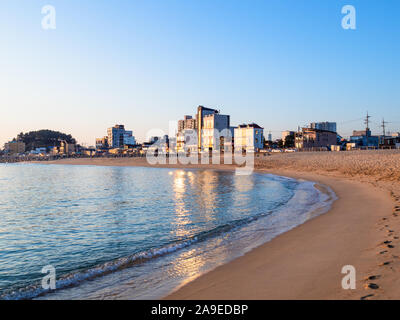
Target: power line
<point x="349" y="121"/>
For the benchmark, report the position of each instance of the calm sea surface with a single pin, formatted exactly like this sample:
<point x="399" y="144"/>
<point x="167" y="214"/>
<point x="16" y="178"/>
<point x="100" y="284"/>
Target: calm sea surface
<point x="134" y="233"/>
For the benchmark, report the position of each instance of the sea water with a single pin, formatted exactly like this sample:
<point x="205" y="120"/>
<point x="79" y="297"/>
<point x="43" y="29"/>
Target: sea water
<point x="135" y="232"/>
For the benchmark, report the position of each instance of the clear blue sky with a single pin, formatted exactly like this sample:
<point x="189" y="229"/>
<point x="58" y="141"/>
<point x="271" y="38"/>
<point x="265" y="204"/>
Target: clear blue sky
<point x="280" y="63"/>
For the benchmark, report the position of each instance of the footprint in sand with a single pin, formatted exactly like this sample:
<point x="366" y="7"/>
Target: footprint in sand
<point x="371" y="286"/>
<point x="374" y="277"/>
<point x="367" y="296"/>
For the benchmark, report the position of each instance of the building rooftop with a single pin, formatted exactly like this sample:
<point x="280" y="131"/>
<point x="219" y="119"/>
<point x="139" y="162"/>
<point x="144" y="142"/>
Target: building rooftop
<point x="250" y="125"/>
<point x="317" y="130"/>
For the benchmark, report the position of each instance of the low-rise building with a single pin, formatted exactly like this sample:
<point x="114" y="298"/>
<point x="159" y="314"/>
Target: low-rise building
<point x="364" y="138"/>
<point x="67" y="148"/>
<point x="186" y="141"/>
<point x="287" y="133"/>
<point x="14" y="147"/>
<point x="337" y="147"/>
<point x="288" y="139"/>
<point x="102" y="143"/>
<point x="54" y="150"/>
<point x="187" y="123"/>
<point x="249" y="138"/>
<point x="351" y="146"/>
<point x="315" y="139"/>
<point x="115" y="151"/>
<point x="159" y="145"/>
<point x="326" y="126"/>
<point x="129" y="139"/>
<point x="39" y="151"/>
<point x="389" y="142"/>
<point x="88" y="151"/>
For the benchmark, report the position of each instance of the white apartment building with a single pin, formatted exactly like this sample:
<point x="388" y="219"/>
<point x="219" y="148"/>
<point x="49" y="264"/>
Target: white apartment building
<point x="214" y="132"/>
<point x="249" y="138"/>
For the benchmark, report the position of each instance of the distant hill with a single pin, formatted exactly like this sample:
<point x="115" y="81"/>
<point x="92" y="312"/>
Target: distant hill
<point x="43" y="138"/>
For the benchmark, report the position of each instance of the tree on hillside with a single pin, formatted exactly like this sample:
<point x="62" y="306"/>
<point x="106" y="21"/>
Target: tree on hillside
<point x="43" y="139"/>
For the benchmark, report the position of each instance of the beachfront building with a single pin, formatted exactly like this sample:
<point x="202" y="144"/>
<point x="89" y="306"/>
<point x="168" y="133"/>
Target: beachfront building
<point x="187" y="123"/>
<point x="287" y="133"/>
<point x="203" y="132"/>
<point x="249" y="138"/>
<point x="117" y="137"/>
<point x="157" y="145"/>
<point x="207" y="140"/>
<point x="129" y="139"/>
<point x="102" y="143"/>
<point x="391" y="141"/>
<point x="364" y="139"/>
<point x="67" y="148"/>
<point x="315" y="139"/>
<point x="186" y="140"/>
<point x="326" y="126"/>
<point x="14" y="147"/>
<point x="215" y="128"/>
<point x="288" y="138"/>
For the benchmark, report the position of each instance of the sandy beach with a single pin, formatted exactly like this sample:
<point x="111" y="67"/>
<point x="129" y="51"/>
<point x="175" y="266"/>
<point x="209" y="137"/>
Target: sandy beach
<point x="362" y="229"/>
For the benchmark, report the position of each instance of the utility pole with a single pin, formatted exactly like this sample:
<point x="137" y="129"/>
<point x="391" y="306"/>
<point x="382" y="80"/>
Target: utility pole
<point x="366" y="121"/>
<point x="384" y="123"/>
<point x="384" y="130"/>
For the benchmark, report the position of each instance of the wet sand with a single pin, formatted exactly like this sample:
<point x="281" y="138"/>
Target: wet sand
<point x="306" y="262"/>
